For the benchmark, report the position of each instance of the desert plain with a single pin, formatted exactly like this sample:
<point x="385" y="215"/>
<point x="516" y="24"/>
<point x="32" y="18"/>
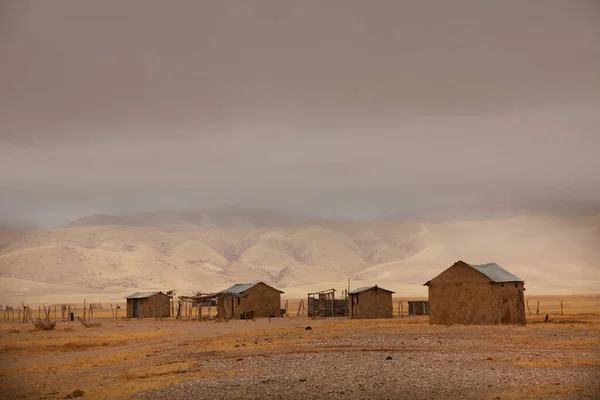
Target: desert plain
<point x="282" y="358"/>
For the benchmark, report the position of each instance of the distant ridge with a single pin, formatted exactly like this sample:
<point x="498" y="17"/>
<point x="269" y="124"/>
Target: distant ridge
<point x="220" y="218"/>
<point x="101" y="220"/>
<point x="499" y="209"/>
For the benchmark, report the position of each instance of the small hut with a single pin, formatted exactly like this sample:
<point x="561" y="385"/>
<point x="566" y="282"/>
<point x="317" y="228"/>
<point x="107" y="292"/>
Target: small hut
<point x="370" y="302"/>
<point x="249" y="300"/>
<point x="324" y="304"/>
<point x="476" y="295"/>
<point x="418" y="308"/>
<point x="148" y="305"/>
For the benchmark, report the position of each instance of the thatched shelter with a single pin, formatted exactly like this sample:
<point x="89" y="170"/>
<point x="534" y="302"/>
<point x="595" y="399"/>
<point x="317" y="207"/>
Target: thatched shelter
<point x="148" y="305"/>
<point x="370" y="302"/>
<point x="476" y="294"/>
<point x="249" y="300"/>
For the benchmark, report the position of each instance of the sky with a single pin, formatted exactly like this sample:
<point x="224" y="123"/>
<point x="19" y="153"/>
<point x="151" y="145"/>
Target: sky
<point x="343" y="108"/>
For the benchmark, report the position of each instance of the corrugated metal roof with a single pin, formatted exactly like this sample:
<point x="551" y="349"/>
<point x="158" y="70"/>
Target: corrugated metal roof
<point x="141" y="295"/>
<point x="496" y="273"/>
<point x="240" y="288"/>
<point x="365" y="288"/>
<point x="492" y="271"/>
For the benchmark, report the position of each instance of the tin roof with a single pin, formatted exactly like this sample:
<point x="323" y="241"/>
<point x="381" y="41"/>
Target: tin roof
<point x="141" y="295"/>
<point x="496" y="273"/>
<point x="240" y="288"/>
<point x="365" y="288"/>
<point x="492" y="271"/>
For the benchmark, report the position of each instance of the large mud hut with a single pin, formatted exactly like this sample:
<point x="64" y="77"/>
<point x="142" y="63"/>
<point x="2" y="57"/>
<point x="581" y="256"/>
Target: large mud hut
<point x="148" y="305"/>
<point x="245" y="300"/>
<point x="476" y="295"/>
<point x="370" y="302"/>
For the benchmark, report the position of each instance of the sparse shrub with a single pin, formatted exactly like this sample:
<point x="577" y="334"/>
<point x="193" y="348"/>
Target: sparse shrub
<point x="41" y="325"/>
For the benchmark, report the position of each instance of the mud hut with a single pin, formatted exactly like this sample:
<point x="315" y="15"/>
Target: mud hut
<point x="370" y="302"/>
<point x="476" y="295"/>
<point x="148" y="305"/>
<point x="247" y="300"/>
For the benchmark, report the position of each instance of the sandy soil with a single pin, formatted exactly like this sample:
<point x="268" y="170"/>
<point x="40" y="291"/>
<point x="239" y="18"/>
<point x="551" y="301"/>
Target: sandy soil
<point x="337" y="358"/>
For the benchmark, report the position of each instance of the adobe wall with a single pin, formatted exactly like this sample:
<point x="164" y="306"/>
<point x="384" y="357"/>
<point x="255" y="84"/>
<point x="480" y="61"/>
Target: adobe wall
<point x="262" y="299"/>
<point x="462" y="295"/>
<point x="158" y="304"/>
<point x="373" y="303"/>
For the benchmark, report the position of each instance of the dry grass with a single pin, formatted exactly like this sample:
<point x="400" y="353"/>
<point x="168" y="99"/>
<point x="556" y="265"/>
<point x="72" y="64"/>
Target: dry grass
<point x="122" y="358"/>
<point x="557" y="363"/>
<point x="542" y="392"/>
<point x="57" y="344"/>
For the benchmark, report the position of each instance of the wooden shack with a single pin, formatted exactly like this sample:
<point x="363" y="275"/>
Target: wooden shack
<point x="249" y="300"/>
<point x="324" y="304"/>
<point x="476" y="294"/>
<point x="418" y="308"/>
<point x="148" y="305"/>
<point x="370" y="302"/>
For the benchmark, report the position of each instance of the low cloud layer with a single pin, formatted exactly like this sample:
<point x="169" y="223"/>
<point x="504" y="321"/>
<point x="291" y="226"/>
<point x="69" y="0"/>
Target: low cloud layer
<point x="341" y="109"/>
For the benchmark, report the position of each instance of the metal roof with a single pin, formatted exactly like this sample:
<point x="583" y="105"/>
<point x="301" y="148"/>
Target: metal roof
<point x="240" y="288"/>
<point x="492" y="271"/>
<point x="365" y="288"/>
<point x="141" y="295"/>
<point x="496" y="273"/>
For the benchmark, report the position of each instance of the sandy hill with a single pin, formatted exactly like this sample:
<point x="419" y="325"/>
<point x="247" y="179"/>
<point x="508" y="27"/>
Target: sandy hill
<point x="106" y="255"/>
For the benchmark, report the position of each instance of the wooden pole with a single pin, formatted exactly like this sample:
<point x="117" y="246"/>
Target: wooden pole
<point x="537" y="311"/>
<point x="561" y="308"/>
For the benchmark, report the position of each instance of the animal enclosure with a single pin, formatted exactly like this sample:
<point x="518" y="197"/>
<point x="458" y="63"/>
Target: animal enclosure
<point x="418" y="308"/>
<point x="324" y="304"/>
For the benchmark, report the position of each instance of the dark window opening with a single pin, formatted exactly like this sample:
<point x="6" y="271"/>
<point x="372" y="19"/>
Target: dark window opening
<point x="239" y="300"/>
<point x="503" y="285"/>
<point x="516" y="285"/>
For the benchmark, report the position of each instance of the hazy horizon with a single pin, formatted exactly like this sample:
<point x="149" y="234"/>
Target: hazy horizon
<point x="338" y="109"/>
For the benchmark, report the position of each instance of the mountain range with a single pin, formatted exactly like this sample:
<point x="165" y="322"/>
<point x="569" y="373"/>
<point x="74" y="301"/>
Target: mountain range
<point x="107" y="256"/>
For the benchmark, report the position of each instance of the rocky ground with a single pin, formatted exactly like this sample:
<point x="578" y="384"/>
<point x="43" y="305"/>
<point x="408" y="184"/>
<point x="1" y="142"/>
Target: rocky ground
<point x="428" y="363"/>
<point x="337" y="358"/>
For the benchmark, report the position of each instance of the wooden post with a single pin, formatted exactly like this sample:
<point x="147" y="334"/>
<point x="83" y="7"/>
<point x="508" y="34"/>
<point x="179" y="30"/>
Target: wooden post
<point x="83" y="317"/>
<point x="537" y="312"/>
<point x="40" y="312"/>
<point x="401" y="308"/>
<point x="528" y="309"/>
<point x="561" y="308"/>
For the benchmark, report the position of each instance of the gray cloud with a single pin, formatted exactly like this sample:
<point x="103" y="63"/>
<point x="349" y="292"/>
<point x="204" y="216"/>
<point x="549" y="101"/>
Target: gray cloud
<point x="349" y="108"/>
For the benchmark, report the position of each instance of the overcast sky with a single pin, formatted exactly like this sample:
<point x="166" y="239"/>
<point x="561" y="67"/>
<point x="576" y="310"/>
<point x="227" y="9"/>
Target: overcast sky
<point x="335" y="108"/>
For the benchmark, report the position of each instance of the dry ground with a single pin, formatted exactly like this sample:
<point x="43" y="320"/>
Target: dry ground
<point x="338" y="358"/>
